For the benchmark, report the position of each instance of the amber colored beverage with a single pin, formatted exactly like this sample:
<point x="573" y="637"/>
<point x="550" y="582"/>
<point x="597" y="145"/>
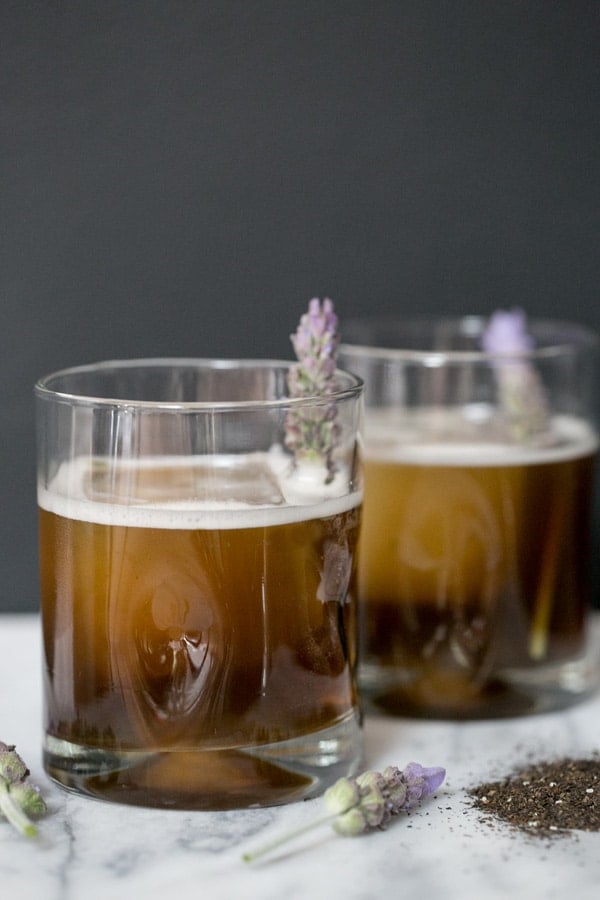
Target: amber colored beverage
<point x="473" y="579"/>
<point x="192" y="644"/>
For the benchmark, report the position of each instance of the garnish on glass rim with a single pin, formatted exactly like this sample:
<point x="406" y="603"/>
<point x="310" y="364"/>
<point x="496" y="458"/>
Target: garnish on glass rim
<point x="20" y="801"/>
<point x="521" y="393"/>
<point x="312" y="432"/>
<point x="524" y="403"/>
<point x="367" y="802"/>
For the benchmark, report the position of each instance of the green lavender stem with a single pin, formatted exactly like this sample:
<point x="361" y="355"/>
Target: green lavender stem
<point x="288" y="836"/>
<point x="13" y="812"/>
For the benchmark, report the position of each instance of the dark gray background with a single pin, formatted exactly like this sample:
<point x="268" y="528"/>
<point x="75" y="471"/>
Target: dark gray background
<point x="180" y="178"/>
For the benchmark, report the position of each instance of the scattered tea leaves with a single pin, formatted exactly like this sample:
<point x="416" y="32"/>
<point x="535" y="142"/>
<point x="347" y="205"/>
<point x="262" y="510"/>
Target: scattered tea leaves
<point x="549" y="798"/>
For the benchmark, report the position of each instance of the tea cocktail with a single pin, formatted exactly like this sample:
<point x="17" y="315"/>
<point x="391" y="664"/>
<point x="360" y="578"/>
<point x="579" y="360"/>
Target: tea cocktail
<point x="474" y="562"/>
<point x="469" y="552"/>
<point x="198" y="611"/>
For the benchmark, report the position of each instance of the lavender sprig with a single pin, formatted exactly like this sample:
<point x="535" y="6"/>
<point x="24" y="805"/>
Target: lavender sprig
<point x="19" y="800"/>
<point x="524" y="403"/>
<point x="312" y="432"/>
<point x="367" y="802"/>
<point x="521" y="393"/>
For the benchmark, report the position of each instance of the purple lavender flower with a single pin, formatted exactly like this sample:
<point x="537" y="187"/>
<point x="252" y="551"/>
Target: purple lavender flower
<point x="383" y="795"/>
<point x="312" y="431"/>
<point x="506" y="332"/>
<point x="420" y="781"/>
<point x="315" y="343"/>
<point x="368" y="801"/>
<point x="521" y="393"/>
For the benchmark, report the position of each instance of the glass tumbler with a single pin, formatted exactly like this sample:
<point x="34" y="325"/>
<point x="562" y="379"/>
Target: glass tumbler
<point x="197" y="583"/>
<point x="474" y="560"/>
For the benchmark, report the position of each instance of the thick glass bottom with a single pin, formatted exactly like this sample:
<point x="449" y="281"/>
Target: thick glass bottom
<point x="514" y="691"/>
<point x="215" y="779"/>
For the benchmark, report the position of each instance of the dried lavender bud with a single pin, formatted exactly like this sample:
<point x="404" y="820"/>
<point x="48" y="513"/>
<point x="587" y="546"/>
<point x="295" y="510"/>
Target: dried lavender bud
<point x="312" y="432"/>
<point x="386" y="794"/>
<point x="420" y="781"/>
<point x="18" y="798"/>
<point x="506" y="332"/>
<point x="12" y="767"/>
<point x="341" y="796"/>
<point x="371" y="781"/>
<point x="351" y="823"/>
<point x="373" y="808"/>
<point x="315" y="343"/>
<point x="368" y="801"/>
<point x="374" y="802"/>
<point x="521" y="392"/>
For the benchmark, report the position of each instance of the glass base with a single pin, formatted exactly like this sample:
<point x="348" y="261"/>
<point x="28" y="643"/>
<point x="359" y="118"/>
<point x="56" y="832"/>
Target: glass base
<point x="215" y="779"/>
<point x="505" y="693"/>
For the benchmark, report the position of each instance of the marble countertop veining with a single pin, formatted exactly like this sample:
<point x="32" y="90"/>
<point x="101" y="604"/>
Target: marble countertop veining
<point x="90" y="850"/>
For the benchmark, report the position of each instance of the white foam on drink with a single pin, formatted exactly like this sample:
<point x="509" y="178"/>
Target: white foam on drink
<point x="388" y="441"/>
<point x="303" y="495"/>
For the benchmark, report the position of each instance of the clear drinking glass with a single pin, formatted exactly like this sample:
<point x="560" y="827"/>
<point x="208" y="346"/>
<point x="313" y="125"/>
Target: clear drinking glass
<point x="474" y="560"/>
<point x="197" y="584"/>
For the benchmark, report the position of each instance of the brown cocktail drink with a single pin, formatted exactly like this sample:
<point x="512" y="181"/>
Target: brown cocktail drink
<point x="199" y="623"/>
<point x="474" y="564"/>
<point x="474" y="559"/>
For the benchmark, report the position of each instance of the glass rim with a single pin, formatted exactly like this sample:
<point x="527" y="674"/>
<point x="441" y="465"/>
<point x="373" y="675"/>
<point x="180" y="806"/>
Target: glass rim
<point x="571" y="337"/>
<point x="44" y="390"/>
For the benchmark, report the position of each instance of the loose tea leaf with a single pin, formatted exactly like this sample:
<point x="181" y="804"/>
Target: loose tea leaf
<point x="547" y="799"/>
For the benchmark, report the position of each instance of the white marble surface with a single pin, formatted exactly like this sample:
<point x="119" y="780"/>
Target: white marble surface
<point x="89" y="849"/>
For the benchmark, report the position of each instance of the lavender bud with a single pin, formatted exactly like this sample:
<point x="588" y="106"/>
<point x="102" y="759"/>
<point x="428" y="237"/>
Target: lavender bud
<point x="421" y="781"/>
<point x="12" y="767"/>
<point x="373" y="801"/>
<point x="351" y="823"/>
<point x="371" y="780"/>
<point x="342" y="795"/>
<point x="367" y="802"/>
<point x="506" y="332"/>
<point x="374" y="810"/>
<point x="396" y="788"/>
<point x="312" y="433"/>
<point x="520" y="390"/>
